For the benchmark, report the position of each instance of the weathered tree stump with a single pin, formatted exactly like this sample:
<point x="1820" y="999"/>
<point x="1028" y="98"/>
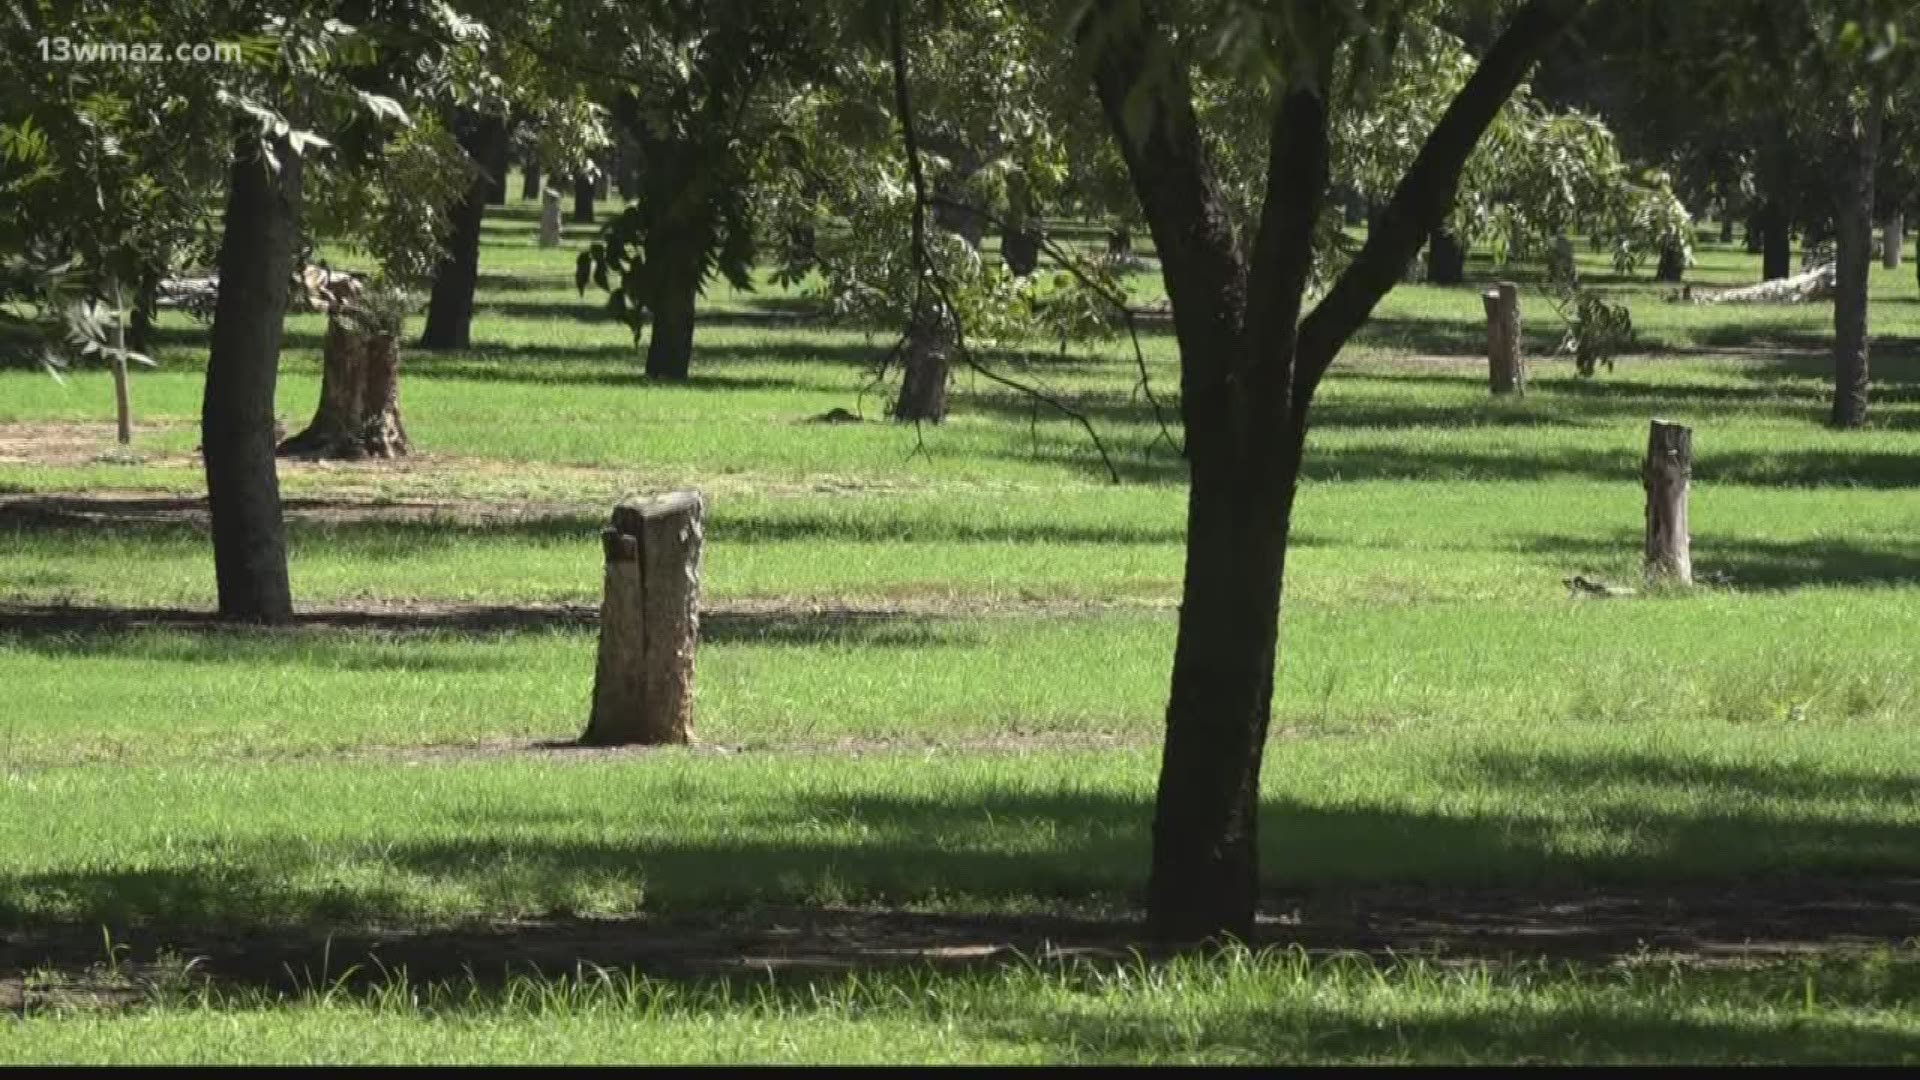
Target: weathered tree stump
<point x="359" y="411"/>
<point x="923" y="389"/>
<point x="1506" y="367"/>
<point x="649" y="622"/>
<point x="1893" y="238"/>
<point x="1666" y="474"/>
<point x="549" y="218"/>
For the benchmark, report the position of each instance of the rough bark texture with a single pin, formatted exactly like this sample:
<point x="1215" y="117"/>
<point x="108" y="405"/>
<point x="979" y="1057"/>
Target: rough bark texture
<point x="1446" y="259"/>
<point x="1814" y="284"/>
<point x="927" y="360"/>
<point x="450" y="309"/>
<point x="1506" y="367"/>
<point x="236" y="420"/>
<point x="583" y="193"/>
<point x="550" y="219"/>
<point x="1666" y="474"/>
<point x="359" y="411"/>
<point x="1248" y="374"/>
<point x="1854" y="238"/>
<point x="1893" y="239"/>
<point x="649" y="623"/>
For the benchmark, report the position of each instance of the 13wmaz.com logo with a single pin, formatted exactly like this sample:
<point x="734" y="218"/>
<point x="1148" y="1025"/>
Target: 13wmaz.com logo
<point x="61" y="50"/>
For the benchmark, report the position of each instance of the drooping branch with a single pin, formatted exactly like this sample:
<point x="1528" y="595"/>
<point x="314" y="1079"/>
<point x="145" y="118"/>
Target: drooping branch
<point x="1426" y="193"/>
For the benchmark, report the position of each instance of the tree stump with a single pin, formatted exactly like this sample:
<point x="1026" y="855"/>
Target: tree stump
<point x="1893" y="237"/>
<point x="1506" y="368"/>
<point x="1666" y="475"/>
<point x="359" y="411"/>
<point x="549" y="218"/>
<point x="649" y="622"/>
<point x="923" y="390"/>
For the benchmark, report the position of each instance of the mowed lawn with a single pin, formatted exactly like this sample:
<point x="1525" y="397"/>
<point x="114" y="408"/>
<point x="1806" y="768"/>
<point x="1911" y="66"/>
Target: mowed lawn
<point x="930" y="689"/>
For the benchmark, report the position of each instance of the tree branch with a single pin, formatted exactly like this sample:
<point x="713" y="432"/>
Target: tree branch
<point x="1426" y="193"/>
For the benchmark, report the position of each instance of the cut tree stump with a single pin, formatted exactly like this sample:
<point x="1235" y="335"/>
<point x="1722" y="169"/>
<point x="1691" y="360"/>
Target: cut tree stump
<point x="649" y="622"/>
<point x="359" y="411"/>
<point x="1506" y="368"/>
<point x="1666" y="474"/>
<point x="549" y="218"/>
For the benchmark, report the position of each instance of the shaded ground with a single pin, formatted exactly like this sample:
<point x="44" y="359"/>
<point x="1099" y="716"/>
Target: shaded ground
<point x="1727" y="923"/>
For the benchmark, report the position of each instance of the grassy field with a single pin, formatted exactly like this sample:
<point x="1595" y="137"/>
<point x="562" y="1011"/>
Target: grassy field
<point x="1500" y="824"/>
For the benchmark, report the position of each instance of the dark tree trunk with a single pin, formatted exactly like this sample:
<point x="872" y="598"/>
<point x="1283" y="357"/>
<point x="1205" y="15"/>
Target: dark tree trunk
<point x="450" y="309"/>
<point x="1672" y="265"/>
<point x="583" y="186"/>
<point x="1776" y="251"/>
<point x="670" y="344"/>
<point x="1249" y="368"/>
<point x="530" y="180"/>
<point x="803" y="245"/>
<point x="1726" y="227"/>
<point x="146" y="302"/>
<point x="1020" y="237"/>
<point x="1446" y="259"/>
<point x="359" y="411"/>
<point x="498" y="161"/>
<point x="257" y="246"/>
<point x="1854" y="242"/>
<point x="1120" y="241"/>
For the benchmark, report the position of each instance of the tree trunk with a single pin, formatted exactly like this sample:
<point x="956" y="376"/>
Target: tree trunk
<point x="146" y="302"/>
<point x="670" y="345"/>
<point x="583" y="192"/>
<point x="1776" y="256"/>
<point x="1893" y="239"/>
<point x="923" y="389"/>
<point x="122" y="408"/>
<point x="1019" y="239"/>
<point x="498" y="161"/>
<point x="236" y="423"/>
<point x="450" y="308"/>
<point x="1205" y="873"/>
<point x="1672" y="266"/>
<point x="359" y="411"/>
<point x="530" y="180"/>
<point x="1726" y="227"/>
<point x="1853" y="239"/>
<point x="1665" y="474"/>
<point x="649" y="623"/>
<point x="1446" y="259"/>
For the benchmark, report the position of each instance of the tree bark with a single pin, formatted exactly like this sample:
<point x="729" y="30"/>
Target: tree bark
<point x="649" y="623"/>
<point x="1666" y="474"/>
<point x="146" y="302"/>
<point x="499" y="160"/>
<point x="1893" y="239"/>
<point x="549" y="219"/>
<point x="530" y="180"/>
<point x="450" y="308"/>
<point x="1726" y="227"/>
<point x="1019" y="238"/>
<point x="1446" y="259"/>
<point x="1776" y="251"/>
<point x="670" y="341"/>
<point x="1854" y="237"/>
<point x="257" y="247"/>
<point x="359" y="411"/>
<point x="583" y="193"/>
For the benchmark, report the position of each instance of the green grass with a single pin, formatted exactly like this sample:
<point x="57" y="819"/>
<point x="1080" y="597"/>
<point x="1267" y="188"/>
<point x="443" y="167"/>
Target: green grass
<point x="978" y="736"/>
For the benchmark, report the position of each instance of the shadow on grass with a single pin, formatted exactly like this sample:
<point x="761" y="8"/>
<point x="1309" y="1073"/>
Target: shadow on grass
<point x="1764" y="868"/>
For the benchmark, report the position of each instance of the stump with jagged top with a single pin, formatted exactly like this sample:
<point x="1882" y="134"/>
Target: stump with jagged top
<point x="649" y="622"/>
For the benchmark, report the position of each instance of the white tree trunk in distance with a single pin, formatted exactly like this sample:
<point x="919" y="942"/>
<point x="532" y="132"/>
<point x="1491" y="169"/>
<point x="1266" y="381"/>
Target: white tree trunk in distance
<point x="1666" y="475"/>
<point x="1893" y="237"/>
<point x="649" y="622"/>
<point x="1814" y="284"/>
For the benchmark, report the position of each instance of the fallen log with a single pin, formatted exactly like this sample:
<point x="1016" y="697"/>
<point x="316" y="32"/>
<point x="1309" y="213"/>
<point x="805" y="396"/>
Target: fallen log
<point x="1807" y="287"/>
